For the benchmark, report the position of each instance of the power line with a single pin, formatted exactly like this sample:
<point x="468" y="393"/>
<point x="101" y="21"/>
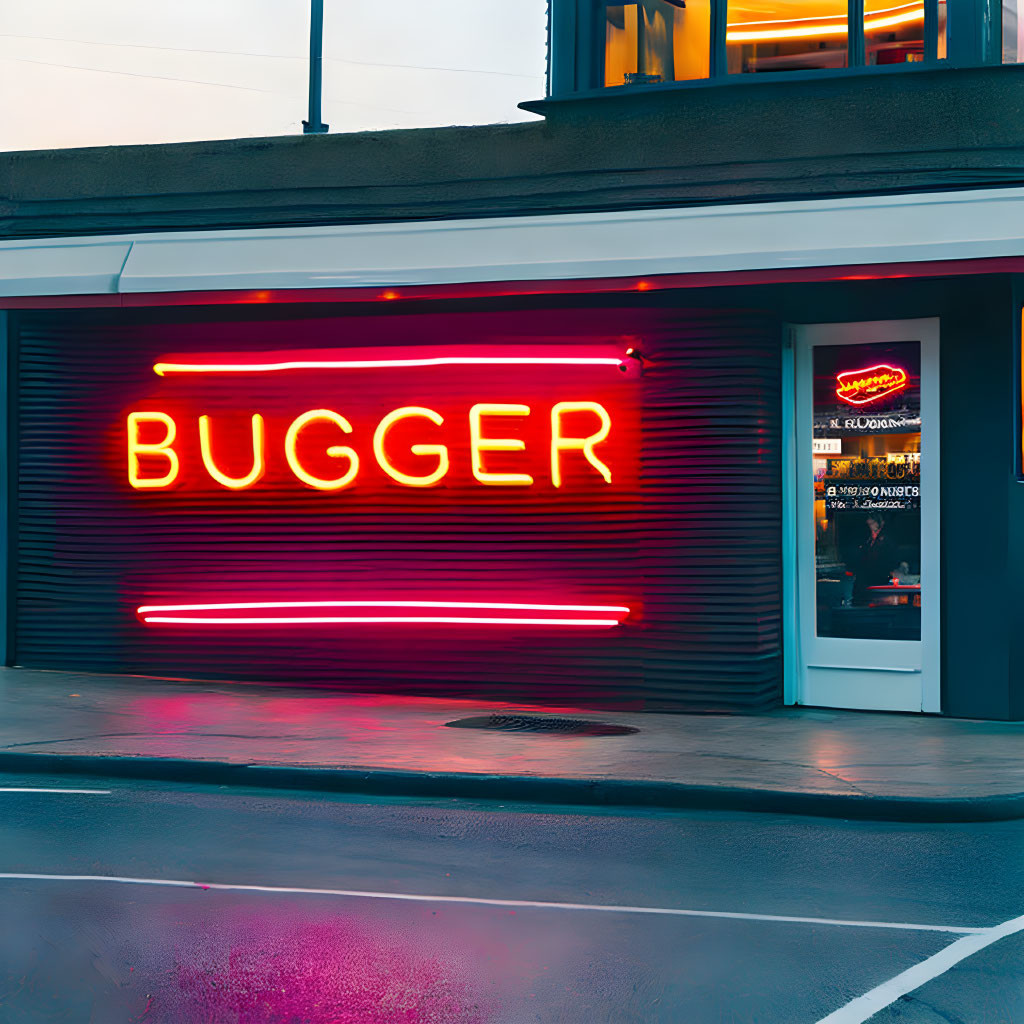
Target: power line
<point x="146" y="46"/>
<point x="267" y="56"/>
<point x="429" y="67"/>
<point x="132" y="74"/>
<point x="196" y="81"/>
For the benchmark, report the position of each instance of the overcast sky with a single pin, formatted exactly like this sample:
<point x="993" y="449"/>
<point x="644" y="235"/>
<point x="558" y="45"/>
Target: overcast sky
<point x="99" y="72"/>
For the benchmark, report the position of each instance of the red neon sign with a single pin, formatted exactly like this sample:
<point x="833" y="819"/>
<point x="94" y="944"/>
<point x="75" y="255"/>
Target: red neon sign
<point x="372" y="433"/>
<point x="329" y="433"/>
<point x="488" y="613"/>
<point x="163" y="369"/>
<point x="860" y="387"/>
<point x="154" y="462"/>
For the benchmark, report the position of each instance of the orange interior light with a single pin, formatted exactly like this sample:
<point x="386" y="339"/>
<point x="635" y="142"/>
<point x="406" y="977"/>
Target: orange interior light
<point x="781" y="29"/>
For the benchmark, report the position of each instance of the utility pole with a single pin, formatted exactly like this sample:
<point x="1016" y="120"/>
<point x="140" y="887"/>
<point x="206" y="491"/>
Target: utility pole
<point x="315" y="126"/>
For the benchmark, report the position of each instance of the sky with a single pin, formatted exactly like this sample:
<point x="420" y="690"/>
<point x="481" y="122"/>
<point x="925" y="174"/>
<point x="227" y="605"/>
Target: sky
<point x="106" y="72"/>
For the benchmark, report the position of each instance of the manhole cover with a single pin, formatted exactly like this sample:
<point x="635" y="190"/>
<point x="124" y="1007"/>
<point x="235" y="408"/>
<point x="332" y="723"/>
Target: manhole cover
<point x="538" y="723"/>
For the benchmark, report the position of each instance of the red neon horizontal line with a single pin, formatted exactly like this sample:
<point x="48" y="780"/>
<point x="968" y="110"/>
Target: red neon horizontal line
<point x="162" y="369"/>
<point x="435" y="619"/>
<point x="482" y="605"/>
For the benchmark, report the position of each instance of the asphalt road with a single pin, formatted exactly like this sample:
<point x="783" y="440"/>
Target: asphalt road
<point x="368" y="951"/>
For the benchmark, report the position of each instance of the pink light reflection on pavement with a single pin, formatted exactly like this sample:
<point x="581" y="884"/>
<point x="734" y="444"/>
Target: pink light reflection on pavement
<point x="400" y="733"/>
<point x="256" y="969"/>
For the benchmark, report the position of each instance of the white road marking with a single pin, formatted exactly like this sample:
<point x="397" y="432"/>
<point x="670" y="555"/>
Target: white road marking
<point x="866" y="1006"/>
<point x="489" y="902"/>
<point x="36" y="789"/>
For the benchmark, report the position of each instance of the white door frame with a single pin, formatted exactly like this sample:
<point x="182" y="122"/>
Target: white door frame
<point x="838" y="672"/>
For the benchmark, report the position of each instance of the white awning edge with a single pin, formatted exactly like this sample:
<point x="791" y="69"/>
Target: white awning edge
<point x="972" y="224"/>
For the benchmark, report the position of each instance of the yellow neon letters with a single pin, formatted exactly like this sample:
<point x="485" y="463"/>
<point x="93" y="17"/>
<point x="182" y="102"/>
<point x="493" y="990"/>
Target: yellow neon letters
<point x="146" y="453"/>
<point x="586" y="445"/>
<point x="440" y="450"/>
<point x="335" y="451"/>
<point x="162" y="448"/>
<point x="235" y="483"/>
<point x="479" y="444"/>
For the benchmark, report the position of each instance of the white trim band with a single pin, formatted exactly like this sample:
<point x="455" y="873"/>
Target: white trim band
<point x="971" y="224"/>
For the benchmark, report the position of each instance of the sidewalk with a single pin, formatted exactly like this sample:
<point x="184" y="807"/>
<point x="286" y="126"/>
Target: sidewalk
<point x="833" y="763"/>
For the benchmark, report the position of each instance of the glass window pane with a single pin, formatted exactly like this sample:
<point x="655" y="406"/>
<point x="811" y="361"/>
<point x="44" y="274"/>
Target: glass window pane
<point x="867" y="490"/>
<point x="941" y="52"/>
<point x="657" y="41"/>
<point x="1013" y="31"/>
<point x="786" y="35"/>
<point x="893" y="32"/>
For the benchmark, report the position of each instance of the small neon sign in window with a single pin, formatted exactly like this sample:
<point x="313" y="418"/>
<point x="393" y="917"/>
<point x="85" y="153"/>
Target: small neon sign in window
<point x="861" y="387"/>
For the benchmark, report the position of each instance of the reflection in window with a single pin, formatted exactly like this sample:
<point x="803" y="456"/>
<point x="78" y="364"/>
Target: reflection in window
<point x="786" y="35"/>
<point x="867" y="490"/>
<point x="893" y="32"/>
<point x="657" y="41"/>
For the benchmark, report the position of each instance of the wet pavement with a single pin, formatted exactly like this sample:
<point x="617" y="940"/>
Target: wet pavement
<point x="197" y="903"/>
<point x="793" y="750"/>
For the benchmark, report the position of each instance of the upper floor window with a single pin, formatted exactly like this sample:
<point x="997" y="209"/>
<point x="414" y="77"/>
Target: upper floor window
<point x="652" y="41"/>
<point x="657" y="41"/>
<point x="786" y="35"/>
<point x="647" y="44"/>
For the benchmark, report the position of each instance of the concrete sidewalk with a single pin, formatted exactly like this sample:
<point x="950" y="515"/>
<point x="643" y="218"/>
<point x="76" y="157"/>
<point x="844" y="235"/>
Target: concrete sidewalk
<point x="834" y="763"/>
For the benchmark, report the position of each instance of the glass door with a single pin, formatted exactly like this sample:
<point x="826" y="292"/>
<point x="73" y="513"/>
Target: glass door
<point x="867" y="508"/>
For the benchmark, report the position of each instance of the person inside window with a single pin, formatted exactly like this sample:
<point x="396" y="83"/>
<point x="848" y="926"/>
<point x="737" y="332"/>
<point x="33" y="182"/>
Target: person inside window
<point x="876" y="558"/>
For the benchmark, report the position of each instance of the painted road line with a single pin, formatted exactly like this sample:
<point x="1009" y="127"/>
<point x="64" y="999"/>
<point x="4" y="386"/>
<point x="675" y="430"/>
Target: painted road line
<point x="37" y="789"/>
<point x="491" y="902"/>
<point x="866" y="1006"/>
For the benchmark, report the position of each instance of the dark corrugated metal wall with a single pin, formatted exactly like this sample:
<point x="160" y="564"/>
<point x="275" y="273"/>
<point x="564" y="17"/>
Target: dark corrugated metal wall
<point x="693" y="542"/>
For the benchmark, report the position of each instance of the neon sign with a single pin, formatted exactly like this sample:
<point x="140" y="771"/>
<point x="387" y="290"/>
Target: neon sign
<point x="861" y="387"/>
<point x="299" y="424"/>
<point x="164" y="369"/>
<point x="412" y="445"/>
<point x="154" y="463"/>
<point x="161" y="448"/>
<point x="458" y="613"/>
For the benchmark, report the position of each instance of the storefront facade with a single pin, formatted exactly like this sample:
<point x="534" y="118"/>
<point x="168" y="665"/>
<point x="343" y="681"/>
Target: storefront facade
<point x="696" y="457"/>
<point x="644" y="496"/>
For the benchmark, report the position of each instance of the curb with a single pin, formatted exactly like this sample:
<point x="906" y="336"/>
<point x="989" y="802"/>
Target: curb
<point x="525" y="788"/>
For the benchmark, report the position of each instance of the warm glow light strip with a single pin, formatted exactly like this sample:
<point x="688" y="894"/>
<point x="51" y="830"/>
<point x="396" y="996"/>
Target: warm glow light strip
<point x="162" y="369"/>
<point x="818" y="31"/>
<point x="798" y="32"/>
<point x="482" y="605"/>
<point x="916" y="4"/>
<point x="894" y="19"/>
<point x="436" y="619"/>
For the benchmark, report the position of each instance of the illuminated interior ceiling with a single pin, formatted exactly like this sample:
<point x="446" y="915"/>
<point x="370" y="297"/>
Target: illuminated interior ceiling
<point x="778" y="20"/>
